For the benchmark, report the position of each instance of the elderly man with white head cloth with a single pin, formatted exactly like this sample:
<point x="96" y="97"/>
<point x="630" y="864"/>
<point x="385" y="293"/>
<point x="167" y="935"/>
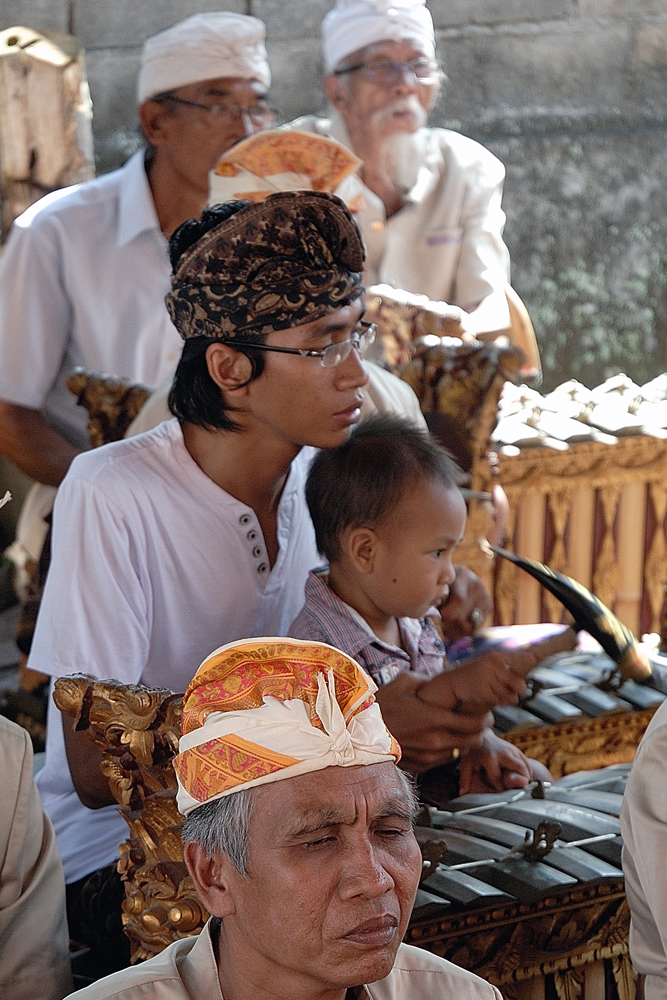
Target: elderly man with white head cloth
<point x="432" y="221"/>
<point x="86" y="269"/>
<point x="298" y="838"/>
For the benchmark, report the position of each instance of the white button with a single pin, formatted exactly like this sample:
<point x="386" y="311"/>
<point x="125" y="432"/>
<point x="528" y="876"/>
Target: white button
<point x="245" y="519"/>
<point x="251" y="536"/>
<point x="262" y="568"/>
<point x="257" y="551"/>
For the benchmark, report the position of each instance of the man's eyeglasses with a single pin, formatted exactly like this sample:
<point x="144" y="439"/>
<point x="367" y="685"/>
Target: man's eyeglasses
<point x="390" y="71"/>
<point x="260" y="115"/>
<point x="329" y="356"/>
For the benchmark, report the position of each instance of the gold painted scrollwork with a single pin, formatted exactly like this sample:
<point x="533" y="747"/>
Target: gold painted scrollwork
<point x="569" y="983"/>
<point x="562" y="477"/>
<point x="625" y="977"/>
<point x="560" y="503"/>
<point x="137" y="729"/>
<point x="112" y="403"/>
<point x="606" y="571"/>
<point x="519" y="943"/>
<point x="584" y="744"/>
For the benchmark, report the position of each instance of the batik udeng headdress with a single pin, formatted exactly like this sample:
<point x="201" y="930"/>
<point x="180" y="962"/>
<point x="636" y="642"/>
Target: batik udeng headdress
<point x="294" y="257"/>
<point x="262" y="710"/>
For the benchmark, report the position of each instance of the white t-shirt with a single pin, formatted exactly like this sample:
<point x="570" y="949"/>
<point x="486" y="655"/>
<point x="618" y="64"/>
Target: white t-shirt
<point x="153" y="567"/>
<point x="82" y="282"/>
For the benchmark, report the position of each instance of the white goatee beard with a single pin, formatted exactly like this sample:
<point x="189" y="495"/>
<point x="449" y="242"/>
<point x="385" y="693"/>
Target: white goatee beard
<point x="401" y="153"/>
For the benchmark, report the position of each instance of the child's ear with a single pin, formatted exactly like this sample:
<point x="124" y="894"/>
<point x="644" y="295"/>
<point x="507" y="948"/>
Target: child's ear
<point x="360" y="547"/>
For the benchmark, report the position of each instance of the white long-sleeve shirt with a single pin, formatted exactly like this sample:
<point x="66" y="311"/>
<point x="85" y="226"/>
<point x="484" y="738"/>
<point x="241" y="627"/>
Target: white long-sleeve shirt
<point x="82" y="282"/>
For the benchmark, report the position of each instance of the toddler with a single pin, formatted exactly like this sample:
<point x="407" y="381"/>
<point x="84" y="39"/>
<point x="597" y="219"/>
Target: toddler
<point x="388" y="515"/>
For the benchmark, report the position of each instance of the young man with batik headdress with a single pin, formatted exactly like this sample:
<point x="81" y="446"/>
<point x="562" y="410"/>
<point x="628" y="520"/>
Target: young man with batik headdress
<point x="197" y="533"/>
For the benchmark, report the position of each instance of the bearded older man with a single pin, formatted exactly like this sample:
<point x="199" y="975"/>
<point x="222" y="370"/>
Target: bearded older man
<point x="432" y="220"/>
<point x="298" y="838"/>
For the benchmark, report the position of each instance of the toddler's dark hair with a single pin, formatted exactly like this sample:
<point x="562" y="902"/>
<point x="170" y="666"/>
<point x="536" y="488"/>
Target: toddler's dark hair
<point x="361" y="482"/>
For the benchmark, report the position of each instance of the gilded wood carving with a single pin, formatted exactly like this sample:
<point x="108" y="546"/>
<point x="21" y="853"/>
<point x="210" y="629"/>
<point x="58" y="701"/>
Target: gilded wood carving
<point x="138" y="728"/>
<point x="584" y="744"/>
<point x="603" y="470"/>
<point x="112" y="403"/>
<point x="520" y="942"/>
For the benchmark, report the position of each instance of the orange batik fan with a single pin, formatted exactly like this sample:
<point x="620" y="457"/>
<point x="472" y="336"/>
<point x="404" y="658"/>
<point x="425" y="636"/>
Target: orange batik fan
<point x="285" y="160"/>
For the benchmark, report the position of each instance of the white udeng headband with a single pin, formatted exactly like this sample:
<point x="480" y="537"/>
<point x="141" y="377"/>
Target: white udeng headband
<point x="204" y="47"/>
<point x="353" y="24"/>
<point x="283" y="727"/>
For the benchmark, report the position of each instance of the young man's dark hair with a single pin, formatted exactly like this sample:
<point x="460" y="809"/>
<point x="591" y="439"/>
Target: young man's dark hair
<point x="362" y="481"/>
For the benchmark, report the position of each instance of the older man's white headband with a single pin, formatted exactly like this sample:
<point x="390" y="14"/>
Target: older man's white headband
<point x="353" y="24"/>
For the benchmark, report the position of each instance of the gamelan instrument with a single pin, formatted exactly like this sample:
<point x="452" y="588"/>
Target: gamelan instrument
<point x="525" y="888"/>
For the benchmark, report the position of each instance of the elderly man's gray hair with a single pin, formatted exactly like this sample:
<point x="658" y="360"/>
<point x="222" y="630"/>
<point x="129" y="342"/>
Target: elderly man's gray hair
<point x="224" y="824"/>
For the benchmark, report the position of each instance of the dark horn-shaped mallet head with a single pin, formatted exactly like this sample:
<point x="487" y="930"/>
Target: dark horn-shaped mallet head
<point x="590" y="615"/>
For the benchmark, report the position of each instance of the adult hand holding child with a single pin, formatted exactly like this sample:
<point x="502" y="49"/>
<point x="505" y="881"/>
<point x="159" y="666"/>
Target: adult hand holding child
<point x="495" y="678"/>
<point x="435" y="716"/>
<point x="478" y="685"/>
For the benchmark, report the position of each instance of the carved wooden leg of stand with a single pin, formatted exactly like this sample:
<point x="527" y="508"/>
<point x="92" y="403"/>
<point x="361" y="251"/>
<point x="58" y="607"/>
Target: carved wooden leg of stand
<point x="527" y="989"/>
<point x="569" y="984"/>
<point x="627" y="981"/>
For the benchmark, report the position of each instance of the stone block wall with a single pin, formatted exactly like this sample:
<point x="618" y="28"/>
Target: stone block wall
<point x="570" y="94"/>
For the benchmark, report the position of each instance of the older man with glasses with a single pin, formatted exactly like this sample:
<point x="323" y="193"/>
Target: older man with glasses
<point x="432" y="220"/>
<point x="85" y="270"/>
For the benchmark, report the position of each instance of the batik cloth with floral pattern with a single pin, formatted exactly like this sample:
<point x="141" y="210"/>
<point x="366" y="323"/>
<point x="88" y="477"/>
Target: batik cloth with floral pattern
<point x="293" y="258"/>
<point x="262" y="710"/>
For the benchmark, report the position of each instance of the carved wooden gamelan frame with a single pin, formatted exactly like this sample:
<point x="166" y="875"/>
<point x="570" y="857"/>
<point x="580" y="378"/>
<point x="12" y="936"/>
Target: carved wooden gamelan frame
<point x="596" y="512"/>
<point x="568" y="935"/>
<point x="584" y="744"/>
<point x="137" y="728"/>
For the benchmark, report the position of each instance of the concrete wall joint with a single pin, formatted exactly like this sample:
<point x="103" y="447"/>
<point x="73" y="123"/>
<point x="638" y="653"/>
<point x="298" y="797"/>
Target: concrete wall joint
<point x="533" y="29"/>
